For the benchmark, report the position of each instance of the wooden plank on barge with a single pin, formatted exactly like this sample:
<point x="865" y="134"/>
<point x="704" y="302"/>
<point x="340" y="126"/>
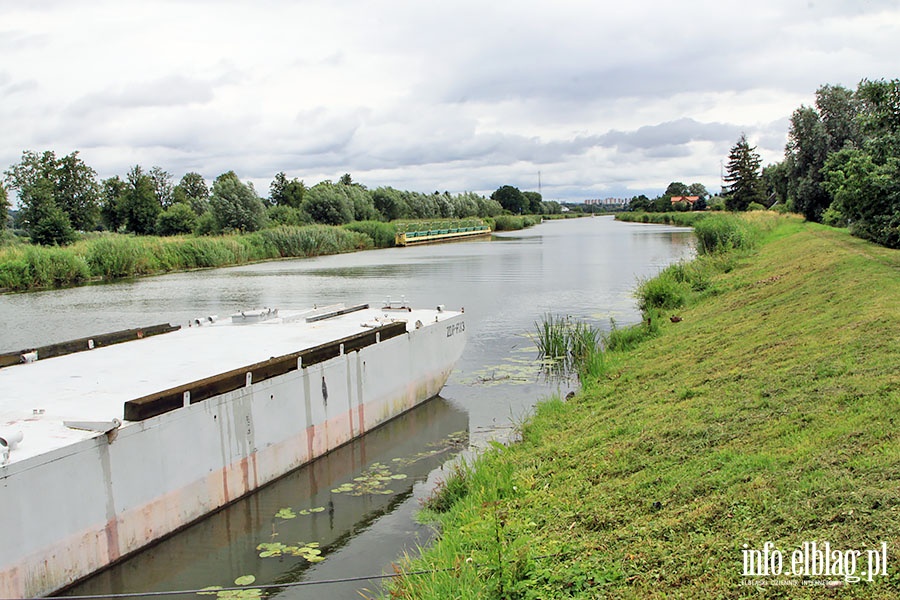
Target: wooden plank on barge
<point x="86" y="343"/>
<point x="168" y="400"/>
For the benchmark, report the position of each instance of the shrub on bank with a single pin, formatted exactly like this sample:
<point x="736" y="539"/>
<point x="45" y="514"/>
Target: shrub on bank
<point x="724" y="233"/>
<point x="682" y="219"/>
<point x="513" y="222"/>
<point x="381" y="233"/>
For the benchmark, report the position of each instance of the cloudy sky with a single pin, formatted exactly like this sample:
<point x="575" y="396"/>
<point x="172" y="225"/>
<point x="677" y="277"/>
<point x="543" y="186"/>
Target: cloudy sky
<point x="601" y="98"/>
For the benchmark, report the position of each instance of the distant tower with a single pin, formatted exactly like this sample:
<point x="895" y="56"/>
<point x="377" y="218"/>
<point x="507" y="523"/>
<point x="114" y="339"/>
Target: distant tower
<point x="539" y="185"/>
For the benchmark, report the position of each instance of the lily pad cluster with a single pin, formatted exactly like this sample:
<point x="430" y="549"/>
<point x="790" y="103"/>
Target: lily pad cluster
<point x="454" y="441"/>
<point x="216" y="590"/>
<point x="373" y="480"/>
<point x="512" y="371"/>
<point x="310" y="550"/>
<point x="288" y="513"/>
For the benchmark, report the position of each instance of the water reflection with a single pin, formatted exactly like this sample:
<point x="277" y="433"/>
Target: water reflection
<point x="327" y="503"/>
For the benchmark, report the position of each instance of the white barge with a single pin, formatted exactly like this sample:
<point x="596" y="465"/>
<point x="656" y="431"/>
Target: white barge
<point x="114" y="446"/>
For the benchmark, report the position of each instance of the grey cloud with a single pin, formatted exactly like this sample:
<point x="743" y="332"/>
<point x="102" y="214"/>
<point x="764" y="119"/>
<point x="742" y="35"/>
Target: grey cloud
<point x="169" y="91"/>
<point x="670" y="134"/>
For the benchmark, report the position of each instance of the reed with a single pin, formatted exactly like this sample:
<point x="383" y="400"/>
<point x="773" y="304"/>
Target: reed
<point x="383" y="234"/>
<point x="725" y="233"/>
<point x="565" y="344"/>
<point x="114" y="256"/>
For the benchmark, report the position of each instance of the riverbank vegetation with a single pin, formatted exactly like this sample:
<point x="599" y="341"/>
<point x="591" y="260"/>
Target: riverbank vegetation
<point x="145" y="224"/>
<point x="755" y="404"/>
<point x="114" y="256"/>
<point x="683" y="219"/>
<point x="60" y="197"/>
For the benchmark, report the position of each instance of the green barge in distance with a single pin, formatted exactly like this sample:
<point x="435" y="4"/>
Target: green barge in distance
<point x="439" y="233"/>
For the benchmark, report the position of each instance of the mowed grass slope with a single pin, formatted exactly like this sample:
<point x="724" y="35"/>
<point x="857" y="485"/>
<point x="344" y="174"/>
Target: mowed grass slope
<point x="770" y="413"/>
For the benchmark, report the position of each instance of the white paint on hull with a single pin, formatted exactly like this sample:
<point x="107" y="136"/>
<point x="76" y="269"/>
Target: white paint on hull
<point x="81" y="502"/>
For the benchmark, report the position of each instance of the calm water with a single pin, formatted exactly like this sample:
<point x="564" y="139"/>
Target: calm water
<point x="586" y="268"/>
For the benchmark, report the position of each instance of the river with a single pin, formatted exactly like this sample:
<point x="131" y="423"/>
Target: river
<point x="584" y="268"/>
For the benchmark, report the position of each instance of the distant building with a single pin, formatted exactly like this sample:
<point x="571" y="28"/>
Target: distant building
<point x="689" y="199"/>
<point x="607" y="202"/>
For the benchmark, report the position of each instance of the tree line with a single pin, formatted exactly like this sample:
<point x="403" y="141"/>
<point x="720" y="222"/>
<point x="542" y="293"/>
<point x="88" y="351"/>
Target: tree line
<point x="59" y="196"/>
<point x="841" y="166"/>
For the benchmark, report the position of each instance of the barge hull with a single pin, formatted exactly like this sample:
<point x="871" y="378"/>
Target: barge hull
<point x="127" y="489"/>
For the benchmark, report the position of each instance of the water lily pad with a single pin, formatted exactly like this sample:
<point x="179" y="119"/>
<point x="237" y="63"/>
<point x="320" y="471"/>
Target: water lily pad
<point x="210" y="590"/>
<point x="245" y="580"/>
<point x="286" y="513"/>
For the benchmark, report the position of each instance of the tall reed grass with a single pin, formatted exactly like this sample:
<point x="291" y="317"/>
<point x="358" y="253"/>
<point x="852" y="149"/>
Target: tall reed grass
<point x="725" y="233"/>
<point x="383" y="234"/>
<point x="682" y="219"/>
<point x="565" y="344"/>
<point x="512" y="222"/>
<point x="114" y="256"/>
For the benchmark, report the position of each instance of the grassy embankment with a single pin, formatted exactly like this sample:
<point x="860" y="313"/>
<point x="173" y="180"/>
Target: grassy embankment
<point x="768" y="414"/>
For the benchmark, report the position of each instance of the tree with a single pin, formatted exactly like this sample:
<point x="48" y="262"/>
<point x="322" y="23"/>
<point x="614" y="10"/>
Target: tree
<point x="867" y="194"/>
<point x="286" y="192"/>
<point x="346" y="179"/>
<point x="4" y="208"/>
<point x="389" y="202"/>
<point x="177" y="219"/>
<point x="511" y="199"/>
<point x="111" y="202"/>
<point x="838" y="108"/>
<point x="742" y="173"/>
<point x="162" y="186"/>
<point x="879" y="118"/>
<point x="44" y="221"/>
<point x="235" y="205"/>
<point x="637" y="203"/>
<point x="676" y="188"/>
<point x="74" y="188"/>
<point x="806" y="151"/>
<point x="324" y="203"/>
<point x="31" y="168"/>
<point x="139" y="204"/>
<point x="776" y="182"/>
<point x="533" y="202"/>
<point x="192" y="190"/>
<point x="699" y="190"/>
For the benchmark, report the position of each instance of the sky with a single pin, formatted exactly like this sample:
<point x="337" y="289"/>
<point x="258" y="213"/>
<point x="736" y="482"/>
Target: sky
<point x="576" y="99"/>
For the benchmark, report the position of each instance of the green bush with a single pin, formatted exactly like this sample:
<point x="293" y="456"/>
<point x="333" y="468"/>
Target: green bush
<point x="508" y="223"/>
<point x="627" y="338"/>
<point x="175" y="220"/>
<point x="723" y="233"/>
<point x="450" y="491"/>
<point x="834" y="217"/>
<point x="14" y="273"/>
<point x="52" y="228"/>
<point x="288" y="215"/>
<point x="661" y="292"/>
<point x="382" y="234"/>
<point x="49" y="267"/>
<point x="113" y="256"/>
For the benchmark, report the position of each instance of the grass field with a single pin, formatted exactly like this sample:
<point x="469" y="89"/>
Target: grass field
<point x="769" y="413"/>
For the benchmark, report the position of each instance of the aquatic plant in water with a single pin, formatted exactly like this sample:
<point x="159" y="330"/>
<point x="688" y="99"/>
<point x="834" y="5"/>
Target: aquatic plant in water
<point x="288" y="513"/>
<point x="219" y="592"/>
<point x="373" y="480"/>
<point x="310" y="550"/>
